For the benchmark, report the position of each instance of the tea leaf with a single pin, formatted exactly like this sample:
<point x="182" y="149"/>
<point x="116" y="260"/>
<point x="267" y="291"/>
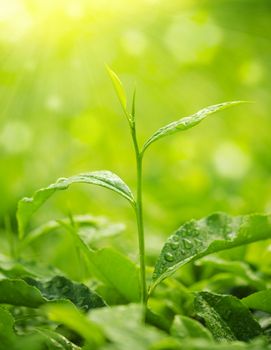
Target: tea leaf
<point x="18" y="292"/>
<point x="188" y="122"/>
<point x="197" y="238"/>
<point x="118" y="88"/>
<point x="7" y="334"/>
<point x="28" y="206"/>
<point x="226" y="317"/>
<point x="184" y="328"/>
<point x="260" y="301"/>
<point x="67" y="314"/>
<point x="116" y="271"/>
<point x="61" y="287"/>
<point x="124" y="327"/>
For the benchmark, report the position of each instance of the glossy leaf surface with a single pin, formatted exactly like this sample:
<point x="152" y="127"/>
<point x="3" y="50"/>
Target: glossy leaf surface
<point x="188" y="122"/>
<point x="28" y="206"/>
<point x="197" y="238"/>
<point x="226" y="317"/>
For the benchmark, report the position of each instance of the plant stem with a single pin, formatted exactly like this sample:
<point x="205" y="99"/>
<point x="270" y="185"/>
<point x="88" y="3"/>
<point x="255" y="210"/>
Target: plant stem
<point x="139" y="217"/>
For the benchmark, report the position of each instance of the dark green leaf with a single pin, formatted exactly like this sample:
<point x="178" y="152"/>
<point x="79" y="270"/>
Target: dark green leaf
<point x="260" y="301"/>
<point x="226" y="317"/>
<point x="28" y="206"/>
<point x="188" y="122"/>
<point x="60" y="287"/>
<point x="198" y="238"/>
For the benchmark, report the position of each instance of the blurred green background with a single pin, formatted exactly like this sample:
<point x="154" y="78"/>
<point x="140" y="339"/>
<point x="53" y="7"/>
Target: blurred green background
<point x="59" y="115"/>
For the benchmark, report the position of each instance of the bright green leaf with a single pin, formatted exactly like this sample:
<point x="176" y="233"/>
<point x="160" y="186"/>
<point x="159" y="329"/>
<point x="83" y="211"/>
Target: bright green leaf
<point x="226" y="317"/>
<point x="188" y="122"/>
<point x="260" y="301"/>
<point x="7" y="335"/>
<point x="28" y="206"/>
<point x="184" y="328"/>
<point x="124" y="327"/>
<point x="118" y="88"/>
<point x="66" y="313"/>
<point x="117" y="272"/>
<point x="197" y="238"/>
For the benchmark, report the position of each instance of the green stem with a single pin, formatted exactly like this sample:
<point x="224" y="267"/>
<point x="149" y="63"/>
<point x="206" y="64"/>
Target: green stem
<point x="139" y="217"/>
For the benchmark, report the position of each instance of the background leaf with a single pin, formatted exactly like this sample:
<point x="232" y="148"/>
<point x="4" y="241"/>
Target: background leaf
<point x="27" y="206"/>
<point x="198" y="238"/>
<point x="260" y="301"/>
<point x="184" y="328"/>
<point x="188" y="122"/>
<point x="18" y="292"/>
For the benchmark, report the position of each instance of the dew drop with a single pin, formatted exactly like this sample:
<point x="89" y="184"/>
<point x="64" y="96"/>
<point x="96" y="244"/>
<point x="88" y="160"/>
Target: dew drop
<point x="61" y="183"/>
<point x="187" y="243"/>
<point x="174" y="245"/>
<point x="169" y="257"/>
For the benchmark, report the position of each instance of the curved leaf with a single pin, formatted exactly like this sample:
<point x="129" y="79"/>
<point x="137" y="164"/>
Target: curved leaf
<point x="188" y="122"/>
<point x="27" y="206"/>
<point x="260" y="301"/>
<point x="197" y="238"/>
<point x="226" y="317"/>
<point x="61" y="287"/>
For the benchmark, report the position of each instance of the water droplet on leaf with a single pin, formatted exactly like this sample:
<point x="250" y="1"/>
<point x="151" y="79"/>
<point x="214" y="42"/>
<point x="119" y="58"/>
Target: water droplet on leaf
<point x="169" y="257"/>
<point x="174" y="245"/>
<point x="187" y="243"/>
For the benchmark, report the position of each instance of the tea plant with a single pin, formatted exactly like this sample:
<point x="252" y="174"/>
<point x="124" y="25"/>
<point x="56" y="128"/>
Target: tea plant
<point x="44" y="309"/>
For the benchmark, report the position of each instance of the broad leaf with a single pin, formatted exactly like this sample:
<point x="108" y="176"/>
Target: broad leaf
<point x="184" y="328"/>
<point x="117" y="272"/>
<point x="38" y="338"/>
<point x="93" y="229"/>
<point x="237" y="268"/>
<point x="118" y="88"/>
<point x="188" y="122"/>
<point x="18" y="292"/>
<point x="124" y="327"/>
<point x="260" y="301"/>
<point x="197" y="238"/>
<point x="27" y="206"/>
<point x="61" y="287"/>
<point x="226" y="317"/>
<point x="66" y="313"/>
<point x="7" y="334"/>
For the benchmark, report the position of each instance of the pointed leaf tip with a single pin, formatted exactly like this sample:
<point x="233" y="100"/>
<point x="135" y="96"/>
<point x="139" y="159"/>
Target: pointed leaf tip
<point x="118" y="88"/>
<point x="188" y="122"/>
<point x="103" y="178"/>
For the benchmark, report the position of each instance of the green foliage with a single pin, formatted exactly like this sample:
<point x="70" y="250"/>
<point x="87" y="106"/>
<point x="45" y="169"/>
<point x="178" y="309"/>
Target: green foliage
<point x="212" y="234"/>
<point x="107" y="307"/>
<point x="188" y="122"/>
<point x="226" y="317"/>
<point x="260" y="300"/>
<point x="28" y="206"/>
